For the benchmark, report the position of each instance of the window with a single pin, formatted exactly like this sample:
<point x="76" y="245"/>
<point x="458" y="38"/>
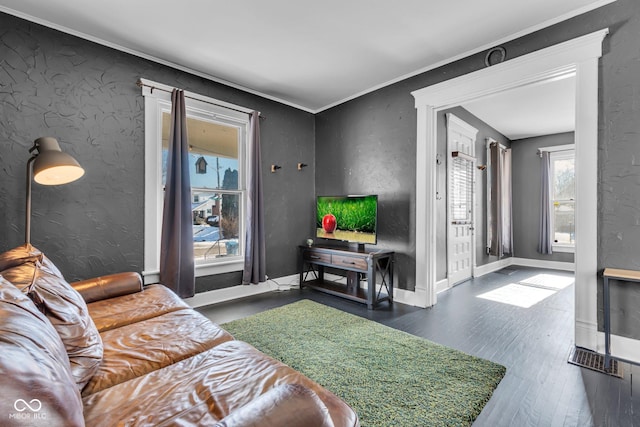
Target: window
<point x="217" y="167"/>
<point x="563" y="200"/>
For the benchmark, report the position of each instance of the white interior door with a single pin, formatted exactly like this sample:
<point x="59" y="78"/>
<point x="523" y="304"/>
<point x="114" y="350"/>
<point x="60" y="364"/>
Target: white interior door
<point x="461" y="138"/>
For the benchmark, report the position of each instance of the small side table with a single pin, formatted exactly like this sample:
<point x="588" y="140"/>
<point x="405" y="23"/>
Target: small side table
<point x="616" y="274"/>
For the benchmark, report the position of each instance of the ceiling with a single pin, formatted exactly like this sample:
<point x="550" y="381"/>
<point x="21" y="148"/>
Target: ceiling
<point x="540" y="109"/>
<point x="308" y="54"/>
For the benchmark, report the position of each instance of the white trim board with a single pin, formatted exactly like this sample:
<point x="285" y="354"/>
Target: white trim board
<point x="541" y="263"/>
<point x="216" y="296"/>
<point x="622" y="347"/>
<point x="228" y="294"/>
<point x="481" y="270"/>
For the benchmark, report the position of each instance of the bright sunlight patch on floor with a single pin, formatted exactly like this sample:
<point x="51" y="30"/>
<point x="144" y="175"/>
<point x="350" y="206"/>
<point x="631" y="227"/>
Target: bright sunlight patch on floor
<point x="550" y="281"/>
<point x="529" y="291"/>
<point x="518" y="295"/>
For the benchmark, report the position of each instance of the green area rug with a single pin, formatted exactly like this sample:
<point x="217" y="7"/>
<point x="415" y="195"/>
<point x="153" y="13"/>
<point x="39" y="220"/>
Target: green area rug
<point x="389" y="377"/>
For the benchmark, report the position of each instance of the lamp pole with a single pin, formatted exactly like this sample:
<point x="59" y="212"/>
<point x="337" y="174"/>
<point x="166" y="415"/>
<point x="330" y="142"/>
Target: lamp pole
<point x="27" y="220"/>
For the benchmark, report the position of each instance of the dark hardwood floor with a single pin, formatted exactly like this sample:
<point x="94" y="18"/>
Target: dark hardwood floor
<point x="539" y="389"/>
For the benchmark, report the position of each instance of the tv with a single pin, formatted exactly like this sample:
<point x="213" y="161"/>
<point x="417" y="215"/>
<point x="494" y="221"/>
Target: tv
<point x="350" y="219"/>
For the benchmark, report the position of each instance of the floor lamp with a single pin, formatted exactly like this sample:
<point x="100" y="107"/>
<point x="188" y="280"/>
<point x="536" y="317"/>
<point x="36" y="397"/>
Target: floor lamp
<point x="48" y="165"/>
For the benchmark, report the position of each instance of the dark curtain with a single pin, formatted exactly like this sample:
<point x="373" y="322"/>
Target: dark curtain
<point x="545" y="241"/>
<point x="255" y="255"/>
<point x="176" y="245"/>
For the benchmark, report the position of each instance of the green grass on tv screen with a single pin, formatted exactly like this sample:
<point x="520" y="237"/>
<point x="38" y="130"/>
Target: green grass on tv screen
<point x="353" y="214"/>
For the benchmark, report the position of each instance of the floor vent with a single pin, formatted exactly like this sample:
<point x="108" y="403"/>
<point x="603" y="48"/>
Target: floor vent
<point x="594" y="361"/>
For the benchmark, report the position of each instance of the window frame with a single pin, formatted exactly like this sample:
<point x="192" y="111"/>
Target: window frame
<point x="157" y="99"/>
<point x="560" y="154"/>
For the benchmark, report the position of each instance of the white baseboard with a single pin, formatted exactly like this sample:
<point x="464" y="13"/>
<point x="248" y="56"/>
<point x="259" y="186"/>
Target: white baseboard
<point x="541" y="263"/>
<point x="283" y="283"/>
<point x="404" y="297"/>
<point x="491" y="267"/>
<point x="622" y="347"/>
<point x="585" y="336"/>
<point x="286" y="283"/>
<point x="228" y="294"/>
<point x="442" y="285"/>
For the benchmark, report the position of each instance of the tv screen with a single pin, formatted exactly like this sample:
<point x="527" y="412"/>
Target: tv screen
<point x="348" y="218"/>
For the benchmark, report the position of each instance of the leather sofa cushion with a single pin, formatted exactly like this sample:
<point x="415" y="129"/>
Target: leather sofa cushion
<point x="66" y="310"/>
<point x="137" y="349"/>
<point x="153" y="301"/>
<point x="34" y="367"/>
<point x="202" y="390"/>
<point x="109" y="286"/>
<point x="290" y="405"/>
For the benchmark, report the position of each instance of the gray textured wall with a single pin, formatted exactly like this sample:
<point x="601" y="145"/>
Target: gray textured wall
<point x="362" y="147"/>
<point x="85" y="94"/>
<point x="386" y="113"/>
<point x="618" y="160"/>
<point x="526" y="195"/>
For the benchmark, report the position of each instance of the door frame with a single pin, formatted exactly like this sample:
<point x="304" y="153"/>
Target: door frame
<point x="579" y="56"/>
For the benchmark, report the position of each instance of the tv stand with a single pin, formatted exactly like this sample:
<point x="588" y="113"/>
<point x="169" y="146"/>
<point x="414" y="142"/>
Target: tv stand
<point x="356" y="247"/>
<point x="358" y="264"/>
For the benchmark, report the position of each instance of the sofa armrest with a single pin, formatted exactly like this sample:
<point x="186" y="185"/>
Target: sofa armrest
<point x="290" y="405"/>
<point x="110" y="286"/>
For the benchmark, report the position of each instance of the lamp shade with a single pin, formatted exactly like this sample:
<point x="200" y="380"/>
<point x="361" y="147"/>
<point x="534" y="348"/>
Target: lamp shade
<point x="52" y="166"/>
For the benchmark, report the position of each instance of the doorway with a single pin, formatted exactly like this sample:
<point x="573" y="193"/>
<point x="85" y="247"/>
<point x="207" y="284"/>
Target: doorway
<point x="579" y="56"/>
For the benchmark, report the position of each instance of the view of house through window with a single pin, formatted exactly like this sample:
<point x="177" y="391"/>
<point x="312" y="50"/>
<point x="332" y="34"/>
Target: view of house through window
<point x="216" y="194"/>
<point x="563" y="197"/>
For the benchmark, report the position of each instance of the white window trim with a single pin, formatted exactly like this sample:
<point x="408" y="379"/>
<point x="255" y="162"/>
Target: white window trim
<point x="556" y="148"/>
<point x="566" y="151"/>
<point x="155" y="102"/>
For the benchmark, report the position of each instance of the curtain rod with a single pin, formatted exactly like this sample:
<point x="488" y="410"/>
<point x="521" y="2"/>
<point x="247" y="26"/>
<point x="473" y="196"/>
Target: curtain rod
<point x="140" y="84"/>
<point x="556" y="148"/>
<point x="500" y="145"/>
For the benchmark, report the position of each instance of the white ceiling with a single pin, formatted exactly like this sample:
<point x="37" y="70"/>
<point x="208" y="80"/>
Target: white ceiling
<point x="308" y="54"/>
<point x="540" y="109"/>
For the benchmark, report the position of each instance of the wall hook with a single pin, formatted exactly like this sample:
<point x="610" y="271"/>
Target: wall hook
<point x="302" y="165"/>
<point x="275" y="168"/>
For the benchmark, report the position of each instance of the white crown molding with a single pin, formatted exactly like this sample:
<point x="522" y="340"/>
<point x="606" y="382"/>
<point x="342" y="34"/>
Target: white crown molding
<point x="143" y="55"/>
<point x="463" y="55"/>
<point x="207" y="76"/>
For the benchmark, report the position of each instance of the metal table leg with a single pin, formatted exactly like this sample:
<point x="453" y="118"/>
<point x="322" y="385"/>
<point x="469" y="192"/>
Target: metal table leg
<point x="607" y="323"/>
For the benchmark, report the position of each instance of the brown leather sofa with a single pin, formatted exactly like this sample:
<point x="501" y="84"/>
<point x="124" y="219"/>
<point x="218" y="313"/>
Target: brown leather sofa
<point x="110" y="351"/>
